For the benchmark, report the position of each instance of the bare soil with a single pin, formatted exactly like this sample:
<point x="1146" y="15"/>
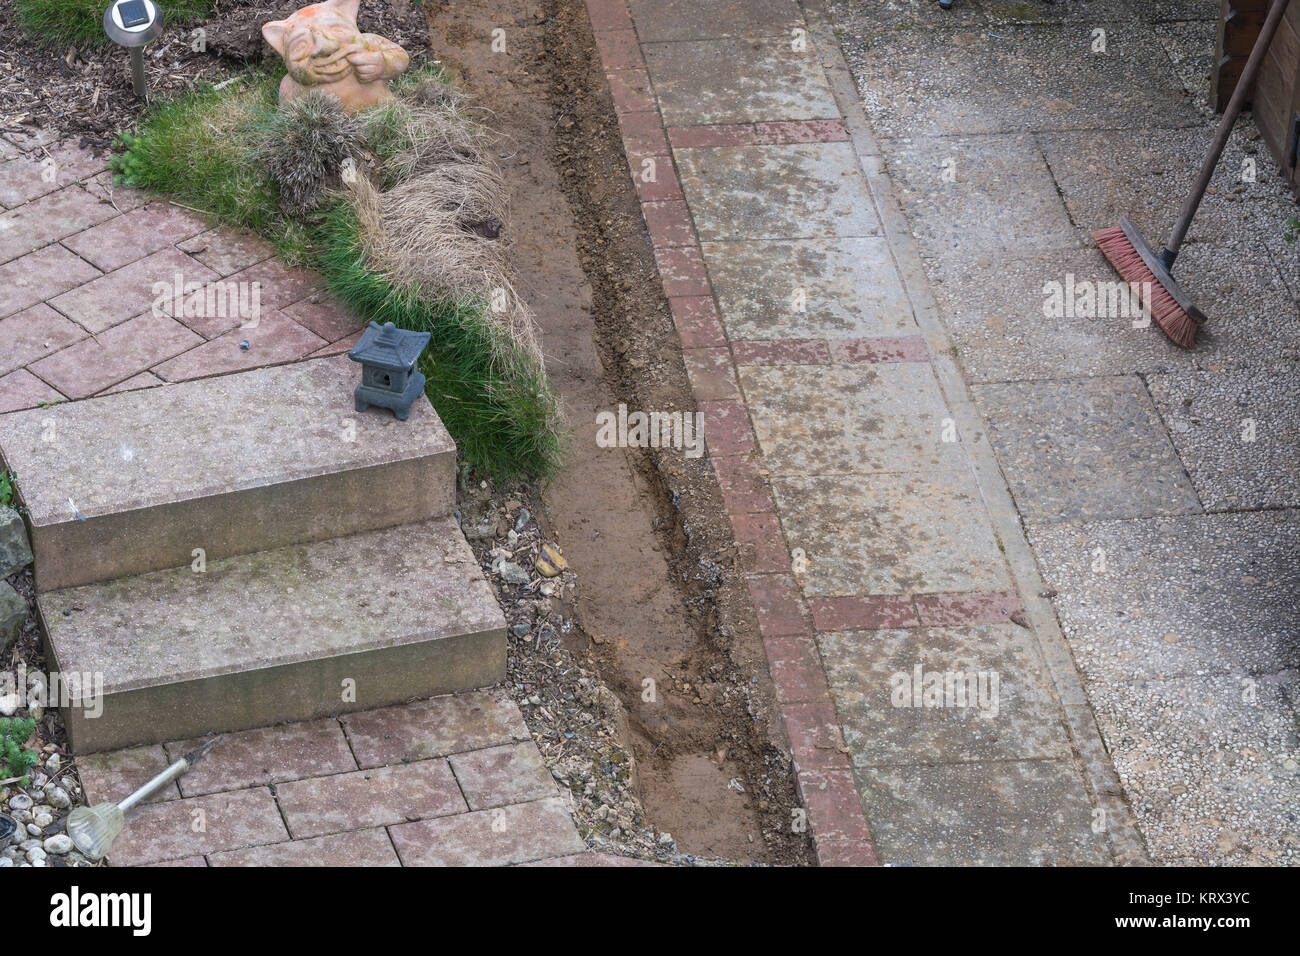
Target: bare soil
<point x="660" y="594"/>
<point x="85" y="91"/>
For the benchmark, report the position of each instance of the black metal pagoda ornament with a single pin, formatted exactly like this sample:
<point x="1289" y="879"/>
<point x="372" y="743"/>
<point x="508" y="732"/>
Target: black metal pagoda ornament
<point x="388" y="377"/>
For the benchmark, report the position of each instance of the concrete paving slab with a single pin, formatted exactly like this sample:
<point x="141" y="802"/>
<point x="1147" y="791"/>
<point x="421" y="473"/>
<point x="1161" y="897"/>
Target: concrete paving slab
<point x="705" y="82"/>
<point x="21" y="389"/>
<point x="945" y="81"/>
<point x="1106" y="174"/>
<point x="42" y="274"/>
<point x="808" y="288"/>
<point x="797" y="191"/>
<point x="979" y="195"/>
<point x="1059" y="11"/>
<point x="1210" y="765"/>
<point x="154" y="475"/>
<point x="1091" y="448"/>
<point x="849" y="419"/>
<point x="700" y="19"/>
<point x="1166" y="598"/>
<point x="435" y="728"/>
<point x="1002" y="813"/>
<point x="292" y="634"/>
<point x="1237" y="432"/>
<point x="49" y="218"/>
<point x="942" y="695"/>
<point x="896" y="534"/>
<point x="1001" y="314"/>
<point x="129" y="291"/>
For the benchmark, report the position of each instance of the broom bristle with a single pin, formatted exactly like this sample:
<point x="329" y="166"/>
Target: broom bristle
<point x="1169" y="315"/>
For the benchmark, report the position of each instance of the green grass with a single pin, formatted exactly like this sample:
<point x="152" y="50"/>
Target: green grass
<point x="493" y="395"/>
<point x="82" y="21"/>
<point x="8" y="493"/>
<point x="14" y="761"/>
<point x="196" y="150"/>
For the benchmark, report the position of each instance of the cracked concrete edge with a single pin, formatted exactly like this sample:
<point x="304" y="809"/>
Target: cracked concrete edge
<point x="1126" y="842"/>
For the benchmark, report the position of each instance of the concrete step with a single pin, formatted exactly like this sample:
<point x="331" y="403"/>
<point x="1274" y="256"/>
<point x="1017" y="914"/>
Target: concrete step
<point x="139" y="481"/>
<point x="345" y="624"/>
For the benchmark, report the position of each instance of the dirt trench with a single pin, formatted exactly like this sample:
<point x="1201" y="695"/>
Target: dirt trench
<point x="661" y="595"/>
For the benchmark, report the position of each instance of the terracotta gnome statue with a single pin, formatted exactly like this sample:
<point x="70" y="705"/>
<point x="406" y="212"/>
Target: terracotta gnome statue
<point x="323" y="49"/>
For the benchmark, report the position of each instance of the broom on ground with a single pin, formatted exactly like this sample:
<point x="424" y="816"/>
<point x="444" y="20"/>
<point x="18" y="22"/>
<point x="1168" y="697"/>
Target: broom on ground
<point x="1152" y="273"/>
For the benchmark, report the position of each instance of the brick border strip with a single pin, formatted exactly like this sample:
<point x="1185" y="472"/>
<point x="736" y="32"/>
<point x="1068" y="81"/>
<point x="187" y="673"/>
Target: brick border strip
<point x="823" y="773"/>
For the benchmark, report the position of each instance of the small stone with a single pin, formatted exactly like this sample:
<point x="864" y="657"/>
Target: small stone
<point x="15" y="550"/>
<point x="244" y="344"/>
<point x="58" y="798"/>
<point x="36" y="854"/>
<point x="512" y="573"/>
<point x="13" y="615"/>
<point x="52" y="764"/>
<point x="20" y="801"/>
<point x="551" y="562"/>
<point x="521" y="522"/>
<point x="42" y="819"/>
<point x="665" y="838"/>
<point x="5" y="861"/>
<point x="59" y="844"/>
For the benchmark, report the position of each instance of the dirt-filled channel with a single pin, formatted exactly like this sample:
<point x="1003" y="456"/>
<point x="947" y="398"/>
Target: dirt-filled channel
<point x="665" y="619"/>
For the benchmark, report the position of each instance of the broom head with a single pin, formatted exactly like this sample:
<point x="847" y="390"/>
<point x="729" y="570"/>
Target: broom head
<point x="1136" y="262"/>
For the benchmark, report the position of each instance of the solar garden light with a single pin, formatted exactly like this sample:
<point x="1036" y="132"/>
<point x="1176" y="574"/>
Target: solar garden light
<point x="93" y="829"/>
<point x="132" y="24"/>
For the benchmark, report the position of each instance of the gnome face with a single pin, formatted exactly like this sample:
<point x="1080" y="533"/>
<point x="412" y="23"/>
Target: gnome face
<point x="322" y="47"/>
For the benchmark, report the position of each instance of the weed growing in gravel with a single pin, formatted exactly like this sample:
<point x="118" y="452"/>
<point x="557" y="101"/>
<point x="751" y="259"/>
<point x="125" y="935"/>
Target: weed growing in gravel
<point x="14" y="761"/>
<point x="82" y="21"/>
<point x="7" y="491"/>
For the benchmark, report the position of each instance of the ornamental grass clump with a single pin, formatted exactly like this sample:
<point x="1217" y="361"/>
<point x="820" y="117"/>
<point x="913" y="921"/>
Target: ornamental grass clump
<point x="308" y="146"/>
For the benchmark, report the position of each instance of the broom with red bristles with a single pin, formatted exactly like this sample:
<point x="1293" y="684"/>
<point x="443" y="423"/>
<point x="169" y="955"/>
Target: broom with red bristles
<point x="1151" y="273"/>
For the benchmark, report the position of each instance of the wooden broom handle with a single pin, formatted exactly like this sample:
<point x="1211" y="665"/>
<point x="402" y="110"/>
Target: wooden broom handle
<point x="1239" y="94"/>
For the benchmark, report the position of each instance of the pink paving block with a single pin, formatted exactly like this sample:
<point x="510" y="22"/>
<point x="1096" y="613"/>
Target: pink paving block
<point x="669" y="223"/>
<point x="862" y="613"/>
<point x="841" y="853"/>
<point x="951" y="610"/>
<point x="50" y="218"/>
<point x="326" y="316"/>
<point x="116" y="355"/>
<point x="711" y="374"/>
<point x="275" y="340"/>
<point x="369" y="798"/>
<point x="619" y="50"/>
<point x="902" y="348"/>
<point x="759" y="536"/>
<point x="41" y="275"/>
<point x="34" y="333"/>
<point x="654" y="178"/>
<point x="696" y="318"/>
<point x="147" y="285"/>
<point x="682" y="271"/>
<point x="609" y="15"/>
<point x="744" y="491"/>
<point x="227" y="251"/>
<point x="834" y="807"/>
<point x="777" y="604"/>
<point x="790" y="352"/>
<point x="816" y="741"/>
<point x="630" y="90"/>
<point x="253" y="758"/>
<point x="135" y="235"/>
<point x="796" y="668"/>
<point x="726" y="428"/>
<point x="643" y="134"/>
<point x="22" y="389"/>
<point x="175" y="829"/>
<point x="801" y="131"/>
<point x="705" y="137"/>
